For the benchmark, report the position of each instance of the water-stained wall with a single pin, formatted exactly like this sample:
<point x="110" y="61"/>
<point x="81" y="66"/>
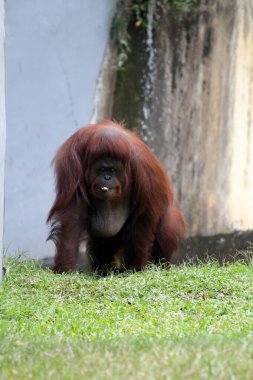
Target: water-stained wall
<point x="204" y="113"/>
<point x="188" y="87"/>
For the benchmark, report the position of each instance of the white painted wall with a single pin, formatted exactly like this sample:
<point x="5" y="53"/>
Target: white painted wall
<point x="2" y="130"/>
<point x="54" y="50"/>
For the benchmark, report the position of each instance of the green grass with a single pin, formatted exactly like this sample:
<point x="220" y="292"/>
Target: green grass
<point x="189" y="322"/>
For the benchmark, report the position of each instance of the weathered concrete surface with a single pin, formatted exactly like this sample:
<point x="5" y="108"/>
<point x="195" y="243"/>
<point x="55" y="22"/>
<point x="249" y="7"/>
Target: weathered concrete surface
<point x="222" y="248"/>
<point x="188" y="87"/>
<point x="204" y="114"/>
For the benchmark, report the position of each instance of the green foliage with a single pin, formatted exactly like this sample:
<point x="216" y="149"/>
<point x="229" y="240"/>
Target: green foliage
<point x="188" y="322"/>
<point x="123" y="38"/>
<point x="181" y="5"/>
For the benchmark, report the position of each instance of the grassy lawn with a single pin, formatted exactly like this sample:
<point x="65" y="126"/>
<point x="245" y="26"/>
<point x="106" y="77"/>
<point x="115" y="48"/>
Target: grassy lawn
<point x="189" y="322"/>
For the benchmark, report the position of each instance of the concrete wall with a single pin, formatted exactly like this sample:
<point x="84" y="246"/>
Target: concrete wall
<point x="54" y="50"/>
<point x="2" y="129"/>
<point x="188" y="86"/>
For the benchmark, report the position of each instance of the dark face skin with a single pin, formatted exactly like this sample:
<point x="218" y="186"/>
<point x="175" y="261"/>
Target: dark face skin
<point x="107" y="192"/>
<point x="107" y="176"/>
